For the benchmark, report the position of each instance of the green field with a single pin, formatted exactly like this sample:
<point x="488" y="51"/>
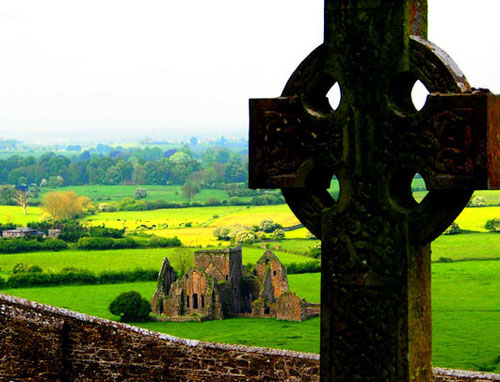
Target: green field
<point x="466" y="296"/>
<point x="465" y="314"/>
<point x="14" y="214"/>
<point x="467" y="246"/>
<point x="203" y="220"/>
<point x="102" y="193"/>
<point x="478" y="246"/>
<point x="117" y="260"/>
<point x="171" y="222"/>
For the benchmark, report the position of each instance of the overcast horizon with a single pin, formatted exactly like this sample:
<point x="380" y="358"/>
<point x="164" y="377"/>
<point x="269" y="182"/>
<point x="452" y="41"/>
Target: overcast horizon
<point x="124" y="69"/>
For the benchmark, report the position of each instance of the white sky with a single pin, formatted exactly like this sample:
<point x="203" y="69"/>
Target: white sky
<point x="165" y="68"/>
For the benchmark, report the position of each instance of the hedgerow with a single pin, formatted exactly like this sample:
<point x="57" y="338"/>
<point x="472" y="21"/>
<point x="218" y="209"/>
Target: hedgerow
<point x="26" y="245"/>
<point x="77" y="277"/>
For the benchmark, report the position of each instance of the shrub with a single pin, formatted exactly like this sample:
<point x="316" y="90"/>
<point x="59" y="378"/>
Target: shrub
<point x="242" y="235"/>
<point x="25" y="245"/>
<point x="140" y="193"/>
<point x="307" y="267"/>
<point x="235" y="201"/>
<point x="72" y="276"/>
<point x="222" y="233"/>
<point x="95" y="243"/>
<point x="19" y="268"/>
<point x="54" y="244"/>
<point x="453" y="229"/>
<point x="314" y="252"/>
<point x="268" y="226"/>
<point x="102" y="231"/>
<point x="278" y="234"/>
<point x="71" y="231"/>
<point x="212" y="202"/>
<point x="156" y="241"/>
<point x="35" y="269"/>
<point x="7" y="226"/>
<point x="266" y="199"/>
<point x="476" y="201"/>
<point x="130" y="306"/>
<point x="445" y="260"/>
<point x="493" y="225"/>
<point x="106" y="243"/>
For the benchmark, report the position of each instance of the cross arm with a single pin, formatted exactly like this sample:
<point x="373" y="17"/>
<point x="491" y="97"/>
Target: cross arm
<point x="457" y="145"/>
<point x="289" y="145"/>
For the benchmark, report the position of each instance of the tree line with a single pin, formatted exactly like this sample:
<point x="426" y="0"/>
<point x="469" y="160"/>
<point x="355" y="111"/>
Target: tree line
<point x="211" y="168"/>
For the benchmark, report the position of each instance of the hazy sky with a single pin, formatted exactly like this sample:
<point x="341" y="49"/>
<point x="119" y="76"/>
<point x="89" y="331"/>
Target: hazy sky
<point x="178" y="68"/>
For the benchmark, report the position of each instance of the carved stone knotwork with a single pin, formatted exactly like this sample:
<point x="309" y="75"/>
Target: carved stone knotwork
<point x="376" y="238"/>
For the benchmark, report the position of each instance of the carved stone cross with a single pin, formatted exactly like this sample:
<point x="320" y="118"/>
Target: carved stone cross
<point x="375" y="286"/>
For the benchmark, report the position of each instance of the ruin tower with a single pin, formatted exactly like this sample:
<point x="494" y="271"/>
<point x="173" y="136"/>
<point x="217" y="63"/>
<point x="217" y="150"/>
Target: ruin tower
<point x="225" y="265"/>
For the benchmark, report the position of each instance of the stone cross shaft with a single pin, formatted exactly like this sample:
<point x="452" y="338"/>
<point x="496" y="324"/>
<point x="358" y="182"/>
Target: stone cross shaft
<point x="375" y="288"/>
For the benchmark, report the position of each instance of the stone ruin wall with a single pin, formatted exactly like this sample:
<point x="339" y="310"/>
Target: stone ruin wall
<point x="222" y="259"/>
<point x="40" y="343"/>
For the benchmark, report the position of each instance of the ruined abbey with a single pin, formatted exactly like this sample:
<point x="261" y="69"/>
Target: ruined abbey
<point x="218" y="286"/>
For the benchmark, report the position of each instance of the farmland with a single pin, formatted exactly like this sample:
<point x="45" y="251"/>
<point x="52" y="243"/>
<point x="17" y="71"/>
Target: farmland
<point x="103" y="193"/>
<point x="117" y="260"/>
<point x="465" y="271"/>
<point x="194" y="225"/>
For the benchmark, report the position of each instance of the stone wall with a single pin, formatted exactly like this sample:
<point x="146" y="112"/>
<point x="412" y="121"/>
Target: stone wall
<point x="40" y="343"/>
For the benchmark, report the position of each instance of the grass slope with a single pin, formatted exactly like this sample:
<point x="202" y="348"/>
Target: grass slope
<point x="103" y="193"/>
<point x="465" y="314"/>
<point x="120" y="259"/>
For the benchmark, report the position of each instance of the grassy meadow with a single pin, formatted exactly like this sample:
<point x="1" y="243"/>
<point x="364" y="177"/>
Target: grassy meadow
<point x="119" y="259"/>
<point x="103" y="193"/>
<point x="465" y="302"/>
<point x="465" y="273"/>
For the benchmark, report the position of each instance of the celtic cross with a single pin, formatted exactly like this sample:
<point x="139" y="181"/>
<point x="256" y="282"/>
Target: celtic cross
<point x="375" y="285"/>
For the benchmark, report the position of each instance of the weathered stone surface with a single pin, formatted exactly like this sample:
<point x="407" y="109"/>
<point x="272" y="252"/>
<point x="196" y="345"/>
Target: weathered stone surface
<point x="165" y="278"/>
<point x="375" y="288"/>
<point x="216" y="287"/>
<point x="43" y="343"/>
<point x="269" y="266"/>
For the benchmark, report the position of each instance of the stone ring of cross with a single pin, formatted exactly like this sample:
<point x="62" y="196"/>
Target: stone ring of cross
<point x="301" y="141"/>
<point x="375" y="239"/>
<point x="311" y="82"/>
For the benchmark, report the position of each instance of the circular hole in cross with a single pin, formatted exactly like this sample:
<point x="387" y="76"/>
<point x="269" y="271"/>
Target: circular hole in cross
<point x="418" y="188"/>
<point x="334" y="96"/>
<point x="334" y="189"/>
<point x="419" y="95"/>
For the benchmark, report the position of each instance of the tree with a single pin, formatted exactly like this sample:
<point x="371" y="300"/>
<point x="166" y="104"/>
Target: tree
<point x="183" y="259"/>
<point x="7" y="195"/>
<point x="453" y="229"/>
<point x="62" y="205"/>
<point x="130" y="306"/>
<point x="278" y="234"/>
<point x="268" y="226"/>
<point x="55" y="181"/>
<point x="180" y="157"/>
<point x="22" y="198"/>
<point x="140" y="193"/>
<point x="493" y="225"/>
<point x="190" y="189"/>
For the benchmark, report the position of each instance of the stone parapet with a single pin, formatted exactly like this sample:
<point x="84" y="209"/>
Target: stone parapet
<point x="40" y="342"/>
